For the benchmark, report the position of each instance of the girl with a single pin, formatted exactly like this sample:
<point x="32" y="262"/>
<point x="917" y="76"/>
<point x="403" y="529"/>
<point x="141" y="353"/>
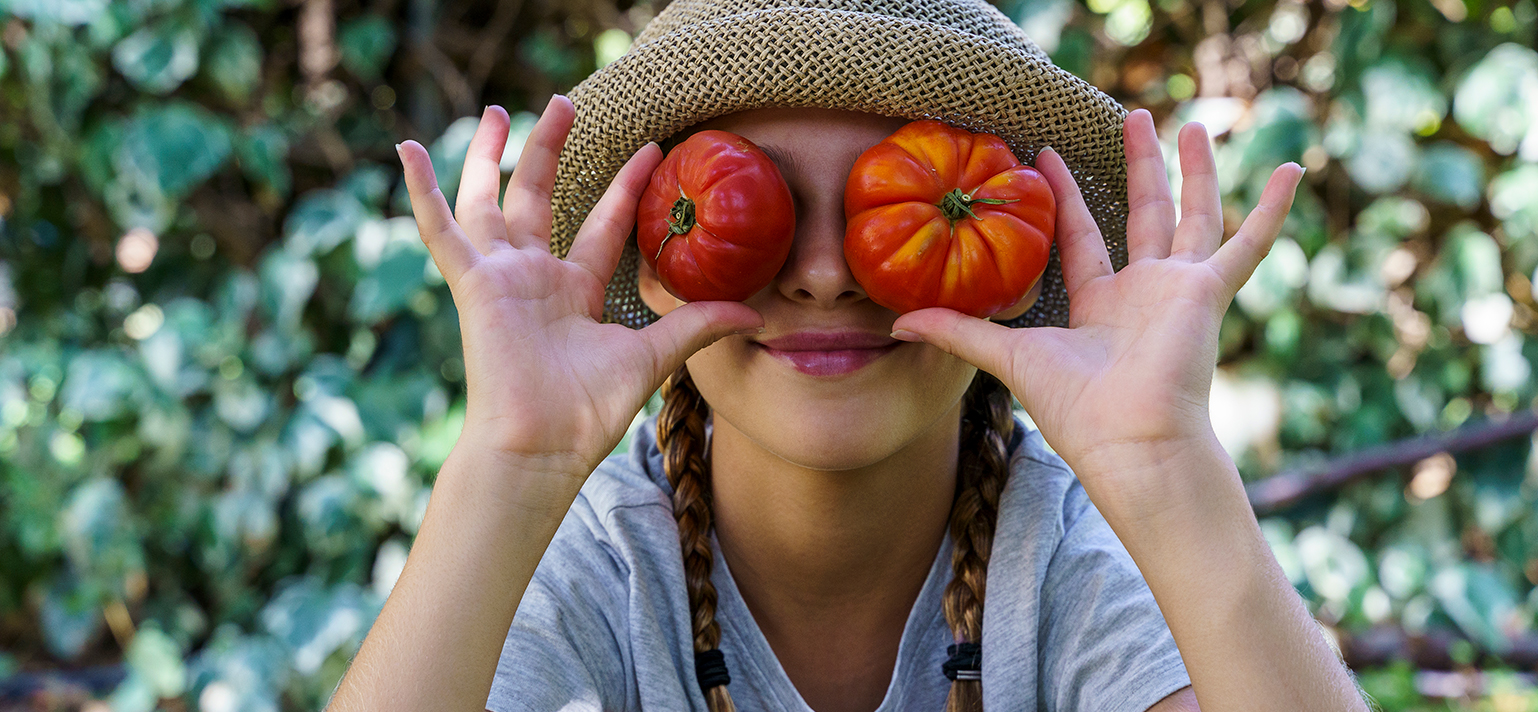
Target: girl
<point x="859" y="516"/>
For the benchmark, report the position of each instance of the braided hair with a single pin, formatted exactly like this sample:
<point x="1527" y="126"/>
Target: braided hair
<point x="681" y="437"/>
<point x="987" y="425"/>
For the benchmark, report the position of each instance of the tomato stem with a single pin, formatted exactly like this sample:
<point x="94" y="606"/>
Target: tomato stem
<point x="956" y="204"/>
<point x="680" y="221"/>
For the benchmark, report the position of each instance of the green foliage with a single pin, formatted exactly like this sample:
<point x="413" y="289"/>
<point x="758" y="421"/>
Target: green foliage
<point x="229" y="369"/>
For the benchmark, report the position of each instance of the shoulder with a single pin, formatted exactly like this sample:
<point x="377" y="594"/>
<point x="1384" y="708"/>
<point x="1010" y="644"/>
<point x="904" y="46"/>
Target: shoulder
<point x="602" y="600"/>
<point x="623" y="511"/>
<point x="1060" y="572"/>
<point x="1042" y="490"/>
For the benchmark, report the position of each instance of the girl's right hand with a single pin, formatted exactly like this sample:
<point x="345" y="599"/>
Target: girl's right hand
<point x="545" y="380"/>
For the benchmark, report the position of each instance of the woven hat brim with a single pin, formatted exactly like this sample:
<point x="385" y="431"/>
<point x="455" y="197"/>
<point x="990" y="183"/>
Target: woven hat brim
<point x="841" y="60"/>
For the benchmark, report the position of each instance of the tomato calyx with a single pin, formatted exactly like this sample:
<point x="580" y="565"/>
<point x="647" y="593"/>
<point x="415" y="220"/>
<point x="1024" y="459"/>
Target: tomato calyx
<point x="680" y="220"/>
<point x="957" y="204"/>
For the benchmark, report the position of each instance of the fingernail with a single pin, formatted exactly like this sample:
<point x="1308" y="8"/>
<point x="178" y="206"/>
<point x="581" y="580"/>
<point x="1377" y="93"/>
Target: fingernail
<point x="397" y="148"/>
<point x="905" y="335"/>
<point x="749" y="331"/>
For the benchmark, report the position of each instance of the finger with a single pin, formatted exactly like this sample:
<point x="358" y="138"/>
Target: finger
<point x="599" y="242"/>
<point x="450" y="248"/>
<point x="982" y="343"/>
<point x="1236" y="260"/>
<point x="1201" y="204"/>
<point x="1150" y="209"/>
<point x="693" y="326"/>
<point x="1080" y="246"/>
<point x="527" y="207"/>
<point x="480" y="183"/>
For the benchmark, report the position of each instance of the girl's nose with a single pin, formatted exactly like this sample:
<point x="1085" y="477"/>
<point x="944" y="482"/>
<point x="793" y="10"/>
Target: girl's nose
<point x="816" y="273"/>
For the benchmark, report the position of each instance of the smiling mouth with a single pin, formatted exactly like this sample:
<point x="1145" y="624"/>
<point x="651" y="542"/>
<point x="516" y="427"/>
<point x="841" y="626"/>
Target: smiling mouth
<point x="830" y="362"/>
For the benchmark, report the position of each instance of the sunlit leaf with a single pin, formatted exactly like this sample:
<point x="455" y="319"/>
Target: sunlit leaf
<point x="387" y="287"/>
<point x="100" y="385"/>
<point x="158" y="58"/>
<point x="70" y="617"/>
<point x="157" y="659"/>
<point x="1402" y="97"/>
<point x="173" y="147"/>
<point x="1512" y="200"/>
<point x="1498" y="99"/>
<point x="314" y="621"/>
<point x="1479" y="600"/>
<point x="1452" y="174"/>
<point x="235" y="61"/>
<point x="322" y="220"/>
<point x="1383" y="161"/>
<point x="1334" y="566"/>
<point x="67" y="12"/>
<point x="246" y="673"/>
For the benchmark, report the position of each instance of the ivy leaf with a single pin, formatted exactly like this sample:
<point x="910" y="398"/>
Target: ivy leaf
<point x="322" y="220"/>
<point x="1451" y="174"/>
<point x="367" y="44"/>
<point x="1383" y="162"/>
<point x="161" y="154"/>
<point x="70" y="616"/>
<point x="389" y="286"/>
<point x="262" y="152"/>
<point x="65" y="12"/>
<point x="1498" y="99"/>
<point x="235" y="62"/>
<point x="157" y="59"/>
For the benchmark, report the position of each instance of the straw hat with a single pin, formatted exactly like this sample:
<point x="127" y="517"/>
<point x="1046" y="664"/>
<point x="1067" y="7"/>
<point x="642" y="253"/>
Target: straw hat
<point x="959" y="61"/>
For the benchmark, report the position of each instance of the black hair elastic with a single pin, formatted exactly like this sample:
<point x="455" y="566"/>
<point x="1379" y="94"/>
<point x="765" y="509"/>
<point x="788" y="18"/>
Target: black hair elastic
<point x="710" y="668"/>
<point x="966" y="662"/>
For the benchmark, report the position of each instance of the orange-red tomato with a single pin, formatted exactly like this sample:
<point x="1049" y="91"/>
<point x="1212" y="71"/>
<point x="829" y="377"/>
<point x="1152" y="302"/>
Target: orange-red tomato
<point x="941" y="217"/>
<point x="716" y="222"/>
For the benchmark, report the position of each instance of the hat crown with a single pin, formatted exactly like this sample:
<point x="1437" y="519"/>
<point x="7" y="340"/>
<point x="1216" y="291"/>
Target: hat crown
<point x="973" y="17"/>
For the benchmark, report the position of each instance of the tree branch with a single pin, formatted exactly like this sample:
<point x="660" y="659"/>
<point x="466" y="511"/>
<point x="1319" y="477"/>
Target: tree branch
<point x="1281" y="490"/>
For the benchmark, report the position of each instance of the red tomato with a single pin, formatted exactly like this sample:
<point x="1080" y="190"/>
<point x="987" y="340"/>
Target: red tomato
<point x="717" y="221"/>
<point x="941" y="217"/>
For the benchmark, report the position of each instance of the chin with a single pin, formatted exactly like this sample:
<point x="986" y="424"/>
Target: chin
<point x="828" y="442"/>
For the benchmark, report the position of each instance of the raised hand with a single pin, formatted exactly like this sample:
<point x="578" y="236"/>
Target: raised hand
<point x="545" y="379"/>
<point x="1135" y="366"/>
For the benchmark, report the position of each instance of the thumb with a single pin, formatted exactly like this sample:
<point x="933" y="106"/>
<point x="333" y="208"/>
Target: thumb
<point x="979" y="342"/>
<point x="693" y="326"/>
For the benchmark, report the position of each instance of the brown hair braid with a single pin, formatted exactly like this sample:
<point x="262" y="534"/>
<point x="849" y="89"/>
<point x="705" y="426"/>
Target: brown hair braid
<point x="987" y="425"/>
<point x="681" y="438"/>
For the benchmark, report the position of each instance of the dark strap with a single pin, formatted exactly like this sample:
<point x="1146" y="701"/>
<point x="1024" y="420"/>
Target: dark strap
<point x="710" y="668"/>
<point x="966" y="662"/>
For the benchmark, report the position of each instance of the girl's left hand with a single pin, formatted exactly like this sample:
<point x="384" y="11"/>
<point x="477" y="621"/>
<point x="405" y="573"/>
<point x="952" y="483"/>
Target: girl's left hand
<point x="1130" y="378"/>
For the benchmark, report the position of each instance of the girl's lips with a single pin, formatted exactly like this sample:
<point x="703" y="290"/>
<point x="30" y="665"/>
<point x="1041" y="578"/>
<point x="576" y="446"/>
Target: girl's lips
<point x="830" y="363"/>
<point x="829" y="353"/>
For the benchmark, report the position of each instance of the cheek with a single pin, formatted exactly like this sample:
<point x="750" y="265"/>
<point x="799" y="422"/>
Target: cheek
<point x="652" y="293"/>
<point x="1022" y="306"/>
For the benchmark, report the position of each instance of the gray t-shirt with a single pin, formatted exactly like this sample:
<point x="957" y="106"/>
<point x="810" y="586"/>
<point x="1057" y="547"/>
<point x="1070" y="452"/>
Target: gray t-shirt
<point x="604" y="625"/>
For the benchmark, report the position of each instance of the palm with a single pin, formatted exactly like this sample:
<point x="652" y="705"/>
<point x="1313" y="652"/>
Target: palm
<point x="528" y="336"/>
<point x="544" y="376"/>
<point x="1140" y="347"/>
<point x="1136" y="363"/>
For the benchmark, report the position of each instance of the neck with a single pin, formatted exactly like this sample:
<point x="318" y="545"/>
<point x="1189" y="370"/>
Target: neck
<point x="830" y="563"/>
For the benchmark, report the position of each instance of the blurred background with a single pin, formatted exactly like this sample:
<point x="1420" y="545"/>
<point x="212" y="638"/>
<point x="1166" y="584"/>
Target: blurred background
<point x="229" y="371"/>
